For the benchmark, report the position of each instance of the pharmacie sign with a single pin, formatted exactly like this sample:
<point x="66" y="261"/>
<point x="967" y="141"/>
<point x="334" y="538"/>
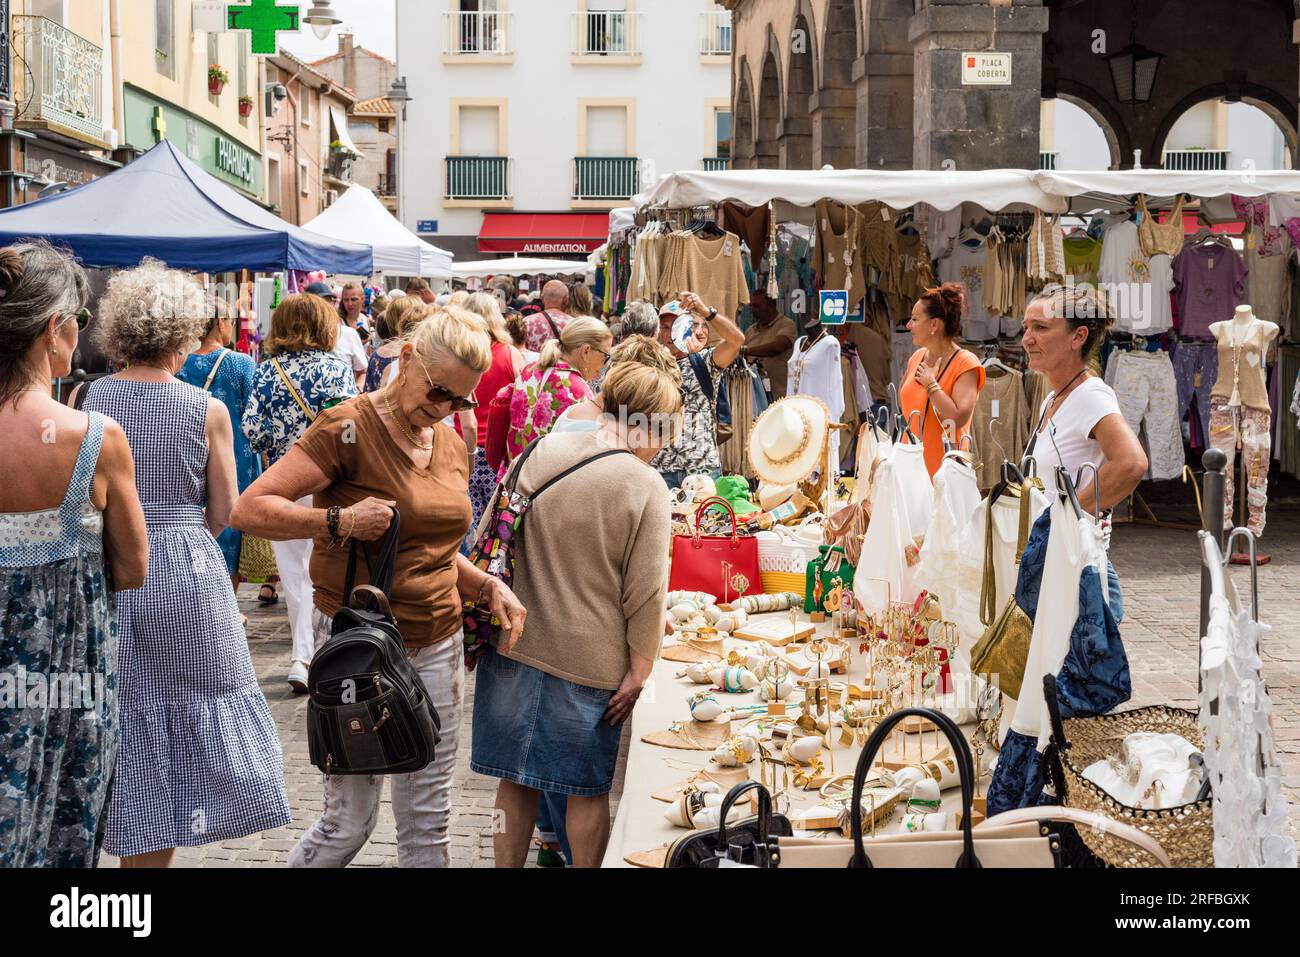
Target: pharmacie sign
<point x="235" y="160"/>
<point x="986" y="69"/>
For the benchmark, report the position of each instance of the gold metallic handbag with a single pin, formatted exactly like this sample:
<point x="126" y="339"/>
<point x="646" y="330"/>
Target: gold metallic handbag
<point x="1003" y="649"/>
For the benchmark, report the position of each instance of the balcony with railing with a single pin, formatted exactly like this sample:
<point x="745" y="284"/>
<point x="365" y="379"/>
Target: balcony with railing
<point x="486" y="33"/>
<point x="717" y="164"/>
<point x="386" y="185"/>
<point x="605" y="177"/>
<point x="340" y="166"/>
<point x="606" y="33"/>
<point x="1197" y="161"/>
<point x="60" y="87"/>
<point x="1047" y="159"/>
<point x="715" y="33"/>
<point x="478" y="178"/>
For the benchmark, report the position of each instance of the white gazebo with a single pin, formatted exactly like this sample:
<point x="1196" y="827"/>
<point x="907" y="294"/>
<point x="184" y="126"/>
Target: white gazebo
<point x="358" y="216"/>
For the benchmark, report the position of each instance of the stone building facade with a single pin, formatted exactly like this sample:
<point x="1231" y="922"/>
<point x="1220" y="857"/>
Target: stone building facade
<point x="877" y="84"/>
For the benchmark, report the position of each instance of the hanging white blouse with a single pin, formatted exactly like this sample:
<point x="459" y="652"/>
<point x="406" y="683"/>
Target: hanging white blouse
<point x="956" y="497"/>
<point x="901" y="509"/>
<point x="1073" y="544"/>
<point x="814" y="370"/>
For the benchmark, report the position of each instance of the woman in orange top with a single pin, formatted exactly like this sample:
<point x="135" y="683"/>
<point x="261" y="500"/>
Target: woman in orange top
<point x="943" y="379"/>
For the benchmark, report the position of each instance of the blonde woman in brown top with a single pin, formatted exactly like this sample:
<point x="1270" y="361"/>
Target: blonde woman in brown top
<point x="360" y="459"/>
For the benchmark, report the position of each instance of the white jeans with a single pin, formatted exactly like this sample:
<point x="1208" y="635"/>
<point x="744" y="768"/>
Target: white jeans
<point x="293" y="561"/>
<point x="421" y="800"/>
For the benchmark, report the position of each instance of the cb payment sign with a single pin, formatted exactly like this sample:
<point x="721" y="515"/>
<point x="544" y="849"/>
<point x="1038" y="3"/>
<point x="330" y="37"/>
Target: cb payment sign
<point x="986" y="69"/>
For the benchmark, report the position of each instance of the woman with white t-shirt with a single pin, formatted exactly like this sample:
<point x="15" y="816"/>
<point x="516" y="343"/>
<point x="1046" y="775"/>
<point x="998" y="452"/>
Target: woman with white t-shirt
<point x="1080" y="420"/>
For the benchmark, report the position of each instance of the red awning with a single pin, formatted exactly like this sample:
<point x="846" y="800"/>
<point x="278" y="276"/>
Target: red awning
<point x="543" y="234"/>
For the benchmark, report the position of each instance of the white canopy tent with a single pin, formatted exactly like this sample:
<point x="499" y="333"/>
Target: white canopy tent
<point x="943" y="189"/>
<point x="517" y="266"/>
<point x="359" y="216"/>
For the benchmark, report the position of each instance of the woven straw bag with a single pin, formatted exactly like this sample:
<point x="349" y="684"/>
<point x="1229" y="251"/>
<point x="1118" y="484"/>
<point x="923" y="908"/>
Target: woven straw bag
<point x="783" y="563"/>
<point x="1185" y="832"/>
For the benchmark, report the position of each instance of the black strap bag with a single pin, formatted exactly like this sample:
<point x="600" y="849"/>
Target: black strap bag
<point x="368" y="712"/>
<point x="748" y="842"/>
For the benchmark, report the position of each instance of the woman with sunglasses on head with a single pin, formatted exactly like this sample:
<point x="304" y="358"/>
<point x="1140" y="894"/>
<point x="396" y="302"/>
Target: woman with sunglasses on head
<point x="359" y="460"/>
<point x="72" y="534"/>
<point x="556" y="381"/>
<point x="228" y="375"/>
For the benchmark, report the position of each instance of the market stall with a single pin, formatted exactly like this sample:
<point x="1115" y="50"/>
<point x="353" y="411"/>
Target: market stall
<point x="518" y="266"/>
<point x="358" y="214"/>
<point x="163" y="205"/>
<point x="950" y="564"/>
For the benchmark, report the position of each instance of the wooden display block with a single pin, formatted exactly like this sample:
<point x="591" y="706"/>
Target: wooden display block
<point x="774" y="632"/>
<point x="928" y="756"/>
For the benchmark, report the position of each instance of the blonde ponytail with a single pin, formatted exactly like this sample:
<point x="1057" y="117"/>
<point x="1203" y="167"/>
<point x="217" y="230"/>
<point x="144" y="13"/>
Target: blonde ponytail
<point x="582" y="331"/>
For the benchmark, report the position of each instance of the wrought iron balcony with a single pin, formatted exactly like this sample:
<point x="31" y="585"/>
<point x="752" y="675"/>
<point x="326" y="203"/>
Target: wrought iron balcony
<point x="478" y="177"/>
<point x="479" y="33"/>
<point x="61" y="87"/>
<point x="1196" y="160"/>
<point x="715" y="33"/>
<point x="340" y="165"/>
<point x="606" y="33"/>
<point x="387" y="185"/>
<point x="605" y="177"/>
<point x="1047" y="159"/>
<point x="717" y="164"/>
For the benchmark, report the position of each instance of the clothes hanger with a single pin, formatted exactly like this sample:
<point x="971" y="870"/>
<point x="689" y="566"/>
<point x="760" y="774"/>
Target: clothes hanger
<point x="1066" y="485"/>
<point x="1254" y="579"/>
<point x="1096" y="484"/>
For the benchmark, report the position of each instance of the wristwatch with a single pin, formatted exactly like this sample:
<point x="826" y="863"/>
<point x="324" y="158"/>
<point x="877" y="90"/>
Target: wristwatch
<point x="713" y="314"/>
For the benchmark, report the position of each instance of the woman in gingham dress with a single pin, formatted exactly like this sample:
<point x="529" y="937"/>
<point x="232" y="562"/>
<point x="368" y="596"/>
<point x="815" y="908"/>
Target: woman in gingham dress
<point x="199" y="759"/>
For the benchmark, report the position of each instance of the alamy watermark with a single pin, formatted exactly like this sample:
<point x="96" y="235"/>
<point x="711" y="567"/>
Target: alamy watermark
<point x="21" y="690"/>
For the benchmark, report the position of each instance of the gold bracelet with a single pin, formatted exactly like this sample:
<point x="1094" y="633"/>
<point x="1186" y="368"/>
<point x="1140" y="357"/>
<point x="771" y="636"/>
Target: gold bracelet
<point x="934" y="387"/>
<point x="352" y="523"/>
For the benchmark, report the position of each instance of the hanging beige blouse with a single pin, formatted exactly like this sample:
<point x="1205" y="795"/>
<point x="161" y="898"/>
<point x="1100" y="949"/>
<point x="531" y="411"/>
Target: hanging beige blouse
<point x="1154" y="237"/>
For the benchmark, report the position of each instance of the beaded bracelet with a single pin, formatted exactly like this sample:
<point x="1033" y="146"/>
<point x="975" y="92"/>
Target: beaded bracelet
<point x="332" y="523"/>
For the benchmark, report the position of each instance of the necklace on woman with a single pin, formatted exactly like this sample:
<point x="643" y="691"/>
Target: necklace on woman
<point x="1061" y="396"/>
<point x="388" y="404"/>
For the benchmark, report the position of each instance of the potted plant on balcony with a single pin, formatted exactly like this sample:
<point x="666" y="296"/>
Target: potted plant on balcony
<point x="217" y="79"/>
<point x="245" y="106"/>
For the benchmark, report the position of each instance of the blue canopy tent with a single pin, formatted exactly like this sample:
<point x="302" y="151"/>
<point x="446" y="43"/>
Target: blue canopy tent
<point x="165" y="206"/>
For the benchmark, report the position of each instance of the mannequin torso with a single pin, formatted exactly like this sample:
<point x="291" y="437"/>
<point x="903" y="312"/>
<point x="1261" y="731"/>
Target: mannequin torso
<point x="1244" y="342"/>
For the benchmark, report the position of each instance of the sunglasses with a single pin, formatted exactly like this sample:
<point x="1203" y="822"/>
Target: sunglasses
<point x="439" y="394"/>
<point x="82" y="316"/>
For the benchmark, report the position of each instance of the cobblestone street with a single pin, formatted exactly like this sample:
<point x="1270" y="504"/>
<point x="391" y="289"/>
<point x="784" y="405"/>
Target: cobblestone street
<point x="1160" y="572"/>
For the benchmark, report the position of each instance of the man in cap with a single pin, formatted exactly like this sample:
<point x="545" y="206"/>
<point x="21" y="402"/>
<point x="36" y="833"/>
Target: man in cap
<point x="348" y="347"/>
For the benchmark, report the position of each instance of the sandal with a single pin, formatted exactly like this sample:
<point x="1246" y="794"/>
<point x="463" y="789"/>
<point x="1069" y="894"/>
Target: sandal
<point x="263" y="599"/>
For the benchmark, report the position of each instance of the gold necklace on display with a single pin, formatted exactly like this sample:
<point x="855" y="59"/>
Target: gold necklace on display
<point x="388" y="404"/>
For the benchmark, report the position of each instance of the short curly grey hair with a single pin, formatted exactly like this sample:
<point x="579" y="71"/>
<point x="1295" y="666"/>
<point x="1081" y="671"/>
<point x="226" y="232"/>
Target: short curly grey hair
<point x="641" y="319"/>
<point x="150" y="311"/>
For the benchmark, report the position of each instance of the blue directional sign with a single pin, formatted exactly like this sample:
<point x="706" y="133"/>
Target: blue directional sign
<point x="834" y="307"/>
<point x="426" y="226"/>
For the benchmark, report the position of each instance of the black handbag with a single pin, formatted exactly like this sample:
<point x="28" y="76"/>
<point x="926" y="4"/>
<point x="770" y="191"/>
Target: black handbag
<point x="368" y="712"/>
<point x="748" y="842"/>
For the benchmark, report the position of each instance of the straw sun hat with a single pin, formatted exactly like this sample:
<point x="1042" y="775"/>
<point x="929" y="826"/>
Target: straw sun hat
<point x="787" y="441"/>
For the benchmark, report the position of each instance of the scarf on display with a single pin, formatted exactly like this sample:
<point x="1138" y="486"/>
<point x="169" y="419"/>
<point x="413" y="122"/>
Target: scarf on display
<point x="1087" y="655"/>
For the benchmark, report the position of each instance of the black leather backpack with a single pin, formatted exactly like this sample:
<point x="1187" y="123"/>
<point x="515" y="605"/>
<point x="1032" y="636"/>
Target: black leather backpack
<point x="368" y="711"/>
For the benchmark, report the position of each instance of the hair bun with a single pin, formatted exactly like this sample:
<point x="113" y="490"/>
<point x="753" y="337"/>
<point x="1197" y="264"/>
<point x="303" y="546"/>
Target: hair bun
<point x="954" y="298"/>
<point x="11" y="270"/>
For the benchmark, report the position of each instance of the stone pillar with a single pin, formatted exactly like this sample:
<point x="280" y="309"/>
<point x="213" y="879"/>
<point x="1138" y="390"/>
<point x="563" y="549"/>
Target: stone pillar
<point x="834" y="114"/>
<point x="883" y="81"/>
<point x="796" y="143"/>
<point x="977" y="127"/>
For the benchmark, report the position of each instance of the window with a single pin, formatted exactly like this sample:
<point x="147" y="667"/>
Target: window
<point x="242" y="86"/>
<point x="214" y="56"/>
<point x="479" y="131"/>
<point x="304" y="108"/>
<point x="164" y="38"/>
<point x="273" y="195"/>
<point x="607" y="131"/>
<point x="383" y="126"/>
<point x="722" y="132"/>
<point x="304" y="185"/>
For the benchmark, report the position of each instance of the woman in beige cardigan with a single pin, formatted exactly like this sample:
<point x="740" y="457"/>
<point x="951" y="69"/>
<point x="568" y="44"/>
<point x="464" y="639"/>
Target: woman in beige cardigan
<point x="548" y="709"/>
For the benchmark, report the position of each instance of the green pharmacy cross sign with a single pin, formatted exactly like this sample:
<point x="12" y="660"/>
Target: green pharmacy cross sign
<point x="264" y="19"/>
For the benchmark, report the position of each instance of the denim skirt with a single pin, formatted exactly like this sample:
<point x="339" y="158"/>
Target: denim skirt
<point x="541" y="731"/>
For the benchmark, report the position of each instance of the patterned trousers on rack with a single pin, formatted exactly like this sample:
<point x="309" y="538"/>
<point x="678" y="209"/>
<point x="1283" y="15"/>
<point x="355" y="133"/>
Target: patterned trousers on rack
<point x="1251" y="427"/>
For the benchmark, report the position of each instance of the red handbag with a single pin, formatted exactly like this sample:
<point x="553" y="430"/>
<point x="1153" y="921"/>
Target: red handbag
<point x="721" y="565"/>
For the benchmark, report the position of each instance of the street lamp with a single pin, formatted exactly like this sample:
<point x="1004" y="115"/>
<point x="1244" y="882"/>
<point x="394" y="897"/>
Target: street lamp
<point x="398" y="95"/>
<point x="1133" y="72"/>
<point x="322" y="18"/>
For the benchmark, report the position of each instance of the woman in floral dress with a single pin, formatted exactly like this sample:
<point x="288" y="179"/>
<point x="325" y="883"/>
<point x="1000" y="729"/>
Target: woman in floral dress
<point x="558" y="379"/>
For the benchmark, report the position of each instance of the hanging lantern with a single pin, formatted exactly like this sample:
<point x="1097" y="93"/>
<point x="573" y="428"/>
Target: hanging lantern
<point x="1133" y="72"/>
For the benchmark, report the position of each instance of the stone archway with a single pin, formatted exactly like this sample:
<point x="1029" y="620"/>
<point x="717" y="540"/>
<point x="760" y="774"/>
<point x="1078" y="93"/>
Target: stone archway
<point x="834" y="107"/>
<point x="800" y="77"/>
<point x="1274" y="104"/>
<point x="743" y="148"/>
<point x="767" y="125"/>
<point x="1103" y="113"/>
